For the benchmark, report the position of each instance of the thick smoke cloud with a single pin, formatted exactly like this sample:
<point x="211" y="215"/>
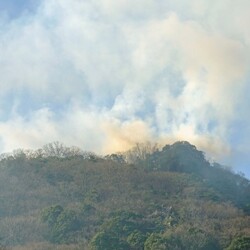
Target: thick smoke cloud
<point x="105" y="74"/>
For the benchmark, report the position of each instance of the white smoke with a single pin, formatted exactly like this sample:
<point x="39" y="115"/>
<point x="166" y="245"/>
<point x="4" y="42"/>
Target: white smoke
<point x="106" y="74"/>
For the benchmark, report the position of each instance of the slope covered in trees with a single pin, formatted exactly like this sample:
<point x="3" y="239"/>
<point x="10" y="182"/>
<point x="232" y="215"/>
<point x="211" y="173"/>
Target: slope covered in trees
<point x="147" y="198"/>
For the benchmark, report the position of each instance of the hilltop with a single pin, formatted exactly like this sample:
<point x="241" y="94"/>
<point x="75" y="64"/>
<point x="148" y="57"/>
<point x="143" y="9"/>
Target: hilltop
<point x="146" y="198"/>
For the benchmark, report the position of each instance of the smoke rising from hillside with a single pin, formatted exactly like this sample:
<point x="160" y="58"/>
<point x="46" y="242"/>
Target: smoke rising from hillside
<point x="106" y="74"/>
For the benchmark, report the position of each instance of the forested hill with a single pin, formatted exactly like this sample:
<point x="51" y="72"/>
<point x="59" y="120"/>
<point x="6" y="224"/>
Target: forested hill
<point x="146" y="198"/>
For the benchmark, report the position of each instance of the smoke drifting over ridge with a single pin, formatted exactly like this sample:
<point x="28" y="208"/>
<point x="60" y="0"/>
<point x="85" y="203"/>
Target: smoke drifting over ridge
<point x="106" y="74"/>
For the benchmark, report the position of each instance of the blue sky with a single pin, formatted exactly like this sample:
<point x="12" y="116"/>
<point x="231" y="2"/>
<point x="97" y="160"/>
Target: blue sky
<point x="14" y="8"/>
<point x="103" y="75"/>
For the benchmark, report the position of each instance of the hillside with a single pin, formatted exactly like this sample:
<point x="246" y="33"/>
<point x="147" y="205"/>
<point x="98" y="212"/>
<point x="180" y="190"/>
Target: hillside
<point x="147" y="198"/>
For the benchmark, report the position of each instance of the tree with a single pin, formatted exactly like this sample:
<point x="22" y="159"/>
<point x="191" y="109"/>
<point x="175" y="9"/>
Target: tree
<point x="240" y="243"/>
<point x="62" y="223"/>
<point x="155" y="242"/>
<point x="141" y="152"/>
<point x="136" y="240"/>
<point x="50" y="214"/>
<point x="197" y="239"/>
<point x="108" y="241"/>
<point x="119" y="232"/>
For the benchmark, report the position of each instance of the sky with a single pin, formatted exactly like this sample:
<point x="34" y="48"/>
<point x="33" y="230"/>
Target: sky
<point x="105" y="74"/>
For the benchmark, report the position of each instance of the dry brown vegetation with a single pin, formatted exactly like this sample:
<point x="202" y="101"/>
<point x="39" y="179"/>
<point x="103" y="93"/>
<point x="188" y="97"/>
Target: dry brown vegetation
<point x="62" y="198"/>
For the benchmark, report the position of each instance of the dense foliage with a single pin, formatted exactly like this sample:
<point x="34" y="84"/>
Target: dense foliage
<point x="145" y="198"/>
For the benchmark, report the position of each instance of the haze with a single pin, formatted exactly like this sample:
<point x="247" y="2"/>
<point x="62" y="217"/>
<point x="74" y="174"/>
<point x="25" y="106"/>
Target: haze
<point x="103" y="75"/>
